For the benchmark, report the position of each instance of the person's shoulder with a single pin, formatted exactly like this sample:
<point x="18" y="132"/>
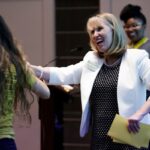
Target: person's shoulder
<point x="91" y="54"/>
<point x="146" y="46"/>
<point x="136" y="53"/>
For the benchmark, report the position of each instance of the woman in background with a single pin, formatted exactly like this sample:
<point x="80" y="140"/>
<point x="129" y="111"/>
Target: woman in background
<point x="15" y="80"/>
<point x="135" y="26"/>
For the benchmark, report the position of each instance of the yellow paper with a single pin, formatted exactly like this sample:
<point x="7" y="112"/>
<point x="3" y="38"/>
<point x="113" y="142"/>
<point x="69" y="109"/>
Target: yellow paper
<point x="118" y="131"/>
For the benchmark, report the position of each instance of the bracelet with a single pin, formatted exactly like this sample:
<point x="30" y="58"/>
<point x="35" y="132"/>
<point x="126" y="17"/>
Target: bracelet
<point x="42" y="71"/>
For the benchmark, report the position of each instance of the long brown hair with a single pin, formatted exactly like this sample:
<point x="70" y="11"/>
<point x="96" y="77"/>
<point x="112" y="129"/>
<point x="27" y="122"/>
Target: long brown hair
<point x="11" y="53"/>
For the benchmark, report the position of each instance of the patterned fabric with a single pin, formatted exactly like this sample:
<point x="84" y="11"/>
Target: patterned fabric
<point x="6" y="118"/>
<point x="104" y="106"/>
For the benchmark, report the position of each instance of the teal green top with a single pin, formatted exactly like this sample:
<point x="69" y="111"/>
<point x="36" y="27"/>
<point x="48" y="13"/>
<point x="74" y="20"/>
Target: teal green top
<point x="6" y="118"/>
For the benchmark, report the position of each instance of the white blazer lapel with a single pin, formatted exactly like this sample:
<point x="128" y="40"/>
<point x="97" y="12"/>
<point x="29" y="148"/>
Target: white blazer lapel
<point x="126" y="86"/>
<point x="88" y="77"/>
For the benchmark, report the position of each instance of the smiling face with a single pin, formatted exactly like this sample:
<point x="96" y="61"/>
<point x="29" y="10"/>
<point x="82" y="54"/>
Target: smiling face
<point x="100" y="33"/>
<point x="134" y="29"/>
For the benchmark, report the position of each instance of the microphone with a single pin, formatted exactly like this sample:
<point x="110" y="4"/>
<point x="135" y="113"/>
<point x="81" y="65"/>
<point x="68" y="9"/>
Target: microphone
<point x="76" y="49"/>
<point x="51" y="61"/>
<point x="73" y="50"/>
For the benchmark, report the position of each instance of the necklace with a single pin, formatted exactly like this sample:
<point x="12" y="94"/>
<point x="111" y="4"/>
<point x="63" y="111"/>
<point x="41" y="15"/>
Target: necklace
<point x="138" y="44"/>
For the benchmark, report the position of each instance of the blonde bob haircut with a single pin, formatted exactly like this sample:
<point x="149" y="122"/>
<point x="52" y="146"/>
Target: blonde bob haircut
<point x="119" y="40"/>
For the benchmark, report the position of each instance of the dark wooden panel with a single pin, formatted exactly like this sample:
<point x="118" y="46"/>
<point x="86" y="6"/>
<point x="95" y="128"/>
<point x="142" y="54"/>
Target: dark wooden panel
<point x="72" y="44"/>
<point x="62" y="63"/>
<point x="71" y="132"/>
<point x="76" y="147"/>
<point x="72" y="19"/>
<point x="76" y="3"/>
<point x="73" y="105"/>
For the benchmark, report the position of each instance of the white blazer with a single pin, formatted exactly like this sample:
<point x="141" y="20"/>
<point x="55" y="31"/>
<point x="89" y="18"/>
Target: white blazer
<point x="134" y="77"/>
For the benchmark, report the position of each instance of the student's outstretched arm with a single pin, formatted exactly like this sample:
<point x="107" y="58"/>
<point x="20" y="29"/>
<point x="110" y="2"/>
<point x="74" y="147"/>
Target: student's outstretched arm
<point x="38" y="86"/>
<point x="41" y="89"/>
<point x="41" y="72"/>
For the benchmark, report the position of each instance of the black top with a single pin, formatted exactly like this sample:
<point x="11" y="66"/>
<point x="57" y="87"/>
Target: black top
<point x="104" y="107"/>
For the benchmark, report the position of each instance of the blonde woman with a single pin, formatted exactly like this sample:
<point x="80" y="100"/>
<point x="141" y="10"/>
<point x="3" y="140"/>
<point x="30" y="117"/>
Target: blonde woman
<point x="112" y="80"/>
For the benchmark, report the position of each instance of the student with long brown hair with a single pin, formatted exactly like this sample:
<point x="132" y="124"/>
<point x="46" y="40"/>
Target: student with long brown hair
<point x="16" y="79"/>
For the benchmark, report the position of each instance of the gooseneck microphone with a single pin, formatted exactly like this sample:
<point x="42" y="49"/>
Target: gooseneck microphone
<point x="73" y="50"/>
<point x="76" y="49"/>
<point x="51" y="61"/>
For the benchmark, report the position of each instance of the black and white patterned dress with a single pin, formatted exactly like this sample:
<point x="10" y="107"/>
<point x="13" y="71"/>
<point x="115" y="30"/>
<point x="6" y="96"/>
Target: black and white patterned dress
<point x="104" y="107"/>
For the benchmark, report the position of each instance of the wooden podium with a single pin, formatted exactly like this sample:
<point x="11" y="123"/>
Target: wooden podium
<point x="51" y="117"/>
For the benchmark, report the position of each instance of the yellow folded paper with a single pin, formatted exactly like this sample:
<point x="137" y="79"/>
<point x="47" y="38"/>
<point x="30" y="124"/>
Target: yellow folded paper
<point x="119" y="133"/>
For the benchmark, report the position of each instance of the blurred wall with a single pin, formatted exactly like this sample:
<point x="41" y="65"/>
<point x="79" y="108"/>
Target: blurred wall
<point x="32" y="23"/>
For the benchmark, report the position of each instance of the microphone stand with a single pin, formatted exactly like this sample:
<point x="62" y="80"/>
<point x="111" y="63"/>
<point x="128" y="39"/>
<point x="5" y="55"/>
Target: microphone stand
<point x="49" y="62"/>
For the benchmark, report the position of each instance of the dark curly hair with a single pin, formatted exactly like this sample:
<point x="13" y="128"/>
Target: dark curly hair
<point x="132" y="11"/>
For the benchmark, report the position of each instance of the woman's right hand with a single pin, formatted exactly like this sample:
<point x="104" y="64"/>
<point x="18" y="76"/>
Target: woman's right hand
<point x="134" y="123"/>
<point x="134" y="120"/>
